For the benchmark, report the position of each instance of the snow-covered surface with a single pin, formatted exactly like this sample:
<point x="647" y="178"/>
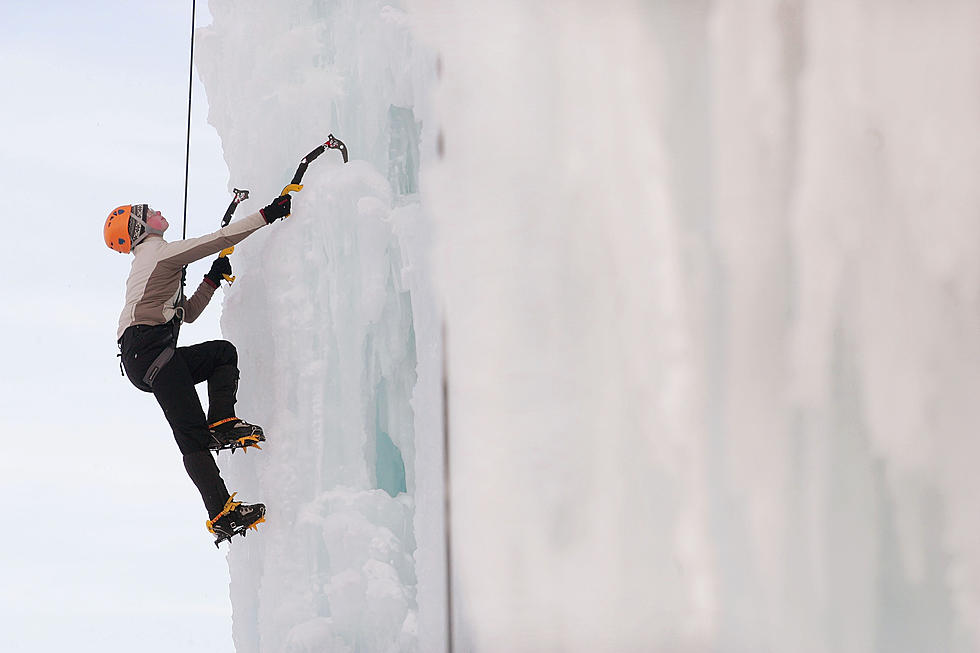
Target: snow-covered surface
<point x="709" y="274"/>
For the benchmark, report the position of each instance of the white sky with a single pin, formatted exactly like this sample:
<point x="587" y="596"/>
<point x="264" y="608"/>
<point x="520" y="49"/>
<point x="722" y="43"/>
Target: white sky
<point x="103" y="537"/>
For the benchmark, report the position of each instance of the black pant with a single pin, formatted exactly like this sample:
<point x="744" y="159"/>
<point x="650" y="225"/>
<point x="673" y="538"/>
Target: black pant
<point x="216" y="362"/>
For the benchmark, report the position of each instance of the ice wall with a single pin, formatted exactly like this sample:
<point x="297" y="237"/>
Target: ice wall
<point x="336" y="325"/>
<point x="710" y="280"/>
<point x="726" y="342"/>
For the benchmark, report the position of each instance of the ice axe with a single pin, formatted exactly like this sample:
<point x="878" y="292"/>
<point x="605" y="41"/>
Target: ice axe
<point x="240" y="196"/>
<point x="332" y="143"/>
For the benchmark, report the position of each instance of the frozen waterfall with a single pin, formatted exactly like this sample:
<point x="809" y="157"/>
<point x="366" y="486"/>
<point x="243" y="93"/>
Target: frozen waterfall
<point x="709" y="274"/>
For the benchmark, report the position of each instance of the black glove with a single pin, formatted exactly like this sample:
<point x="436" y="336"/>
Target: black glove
<point x="220" y="267"/>
<point x="279" y="208"/>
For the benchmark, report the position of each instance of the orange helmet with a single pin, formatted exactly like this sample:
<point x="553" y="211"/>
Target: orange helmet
<point x="125" y="228"/>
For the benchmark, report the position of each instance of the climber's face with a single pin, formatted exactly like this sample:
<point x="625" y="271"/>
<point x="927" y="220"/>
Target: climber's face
<point x="155" y="220"/>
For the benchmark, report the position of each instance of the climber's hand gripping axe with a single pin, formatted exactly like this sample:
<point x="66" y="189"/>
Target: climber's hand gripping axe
<point x="240" y="196"/>
<point x="332" y="143"/>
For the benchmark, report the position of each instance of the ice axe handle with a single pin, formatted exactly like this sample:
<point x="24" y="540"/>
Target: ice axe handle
<point x="240" y="196"/>
<point x="332" y="143"/>
<point x="227" y="252"/>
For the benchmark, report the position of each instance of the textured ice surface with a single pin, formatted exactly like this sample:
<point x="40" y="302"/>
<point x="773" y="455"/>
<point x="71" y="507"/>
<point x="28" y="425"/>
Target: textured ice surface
<point x="710" y="279"/>
<point x="326" y="313"/>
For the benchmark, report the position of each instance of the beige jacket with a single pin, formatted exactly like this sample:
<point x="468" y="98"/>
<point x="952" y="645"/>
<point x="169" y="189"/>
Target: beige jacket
<point x="153" y="286"/>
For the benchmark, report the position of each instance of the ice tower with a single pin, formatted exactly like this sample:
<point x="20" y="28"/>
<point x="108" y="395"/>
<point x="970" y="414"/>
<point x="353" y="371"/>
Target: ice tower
<point x="328" y="314"/>
<point x="708" y="276"/>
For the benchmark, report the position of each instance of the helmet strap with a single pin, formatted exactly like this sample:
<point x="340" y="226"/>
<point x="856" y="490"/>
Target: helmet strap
<point x="138" y="228"/>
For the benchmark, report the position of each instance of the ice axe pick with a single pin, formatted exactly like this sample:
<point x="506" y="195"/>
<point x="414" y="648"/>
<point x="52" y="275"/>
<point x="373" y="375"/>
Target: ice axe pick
<point x="332" y="143"/>
<point x="240" y="196"/>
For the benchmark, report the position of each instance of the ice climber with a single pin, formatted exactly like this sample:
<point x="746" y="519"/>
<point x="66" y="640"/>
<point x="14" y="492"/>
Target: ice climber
<point x="147" y="336"/>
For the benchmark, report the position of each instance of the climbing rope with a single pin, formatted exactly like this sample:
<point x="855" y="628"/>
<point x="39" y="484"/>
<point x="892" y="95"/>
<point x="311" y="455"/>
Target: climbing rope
<point x="190" y="95"/>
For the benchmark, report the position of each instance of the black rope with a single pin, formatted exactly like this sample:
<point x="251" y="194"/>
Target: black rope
<point x="187" y="150"/>
<point x="190" y="94"/>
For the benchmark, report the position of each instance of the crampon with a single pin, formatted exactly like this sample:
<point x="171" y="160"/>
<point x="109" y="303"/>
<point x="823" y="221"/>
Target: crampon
<point x="236" y="518"/>
<point x="232" y="434"/>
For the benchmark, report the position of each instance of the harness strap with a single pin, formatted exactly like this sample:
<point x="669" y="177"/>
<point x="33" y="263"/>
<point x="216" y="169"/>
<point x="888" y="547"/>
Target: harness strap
<point x="158" y="363"/>
<point x="230" y="505"/>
